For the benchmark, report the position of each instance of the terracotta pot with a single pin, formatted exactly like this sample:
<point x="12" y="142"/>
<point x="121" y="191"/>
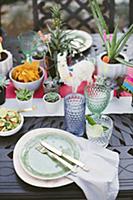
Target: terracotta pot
<point x="6" y="62"/>
<point x="112" y="71"/>
<point x="2" y="95"/>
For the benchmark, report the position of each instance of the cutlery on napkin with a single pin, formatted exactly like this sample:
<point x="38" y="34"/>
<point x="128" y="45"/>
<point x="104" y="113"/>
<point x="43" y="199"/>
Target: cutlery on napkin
<point x="43" y="150"/>
<point x="64" y="155"/>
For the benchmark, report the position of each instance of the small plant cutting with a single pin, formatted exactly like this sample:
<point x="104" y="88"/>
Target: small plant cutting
<point x="24" y="94"/>
<point x="113" y="45"/>
<point x="40" y="52"/>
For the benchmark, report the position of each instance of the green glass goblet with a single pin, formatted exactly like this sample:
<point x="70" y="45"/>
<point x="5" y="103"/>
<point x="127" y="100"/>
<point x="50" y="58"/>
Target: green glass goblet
<point x="28" y="43"/>
<point x="97" y="98"/>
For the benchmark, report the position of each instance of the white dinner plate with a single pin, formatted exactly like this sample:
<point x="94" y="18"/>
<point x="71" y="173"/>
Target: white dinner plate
<point x="22" y="173"/>
<point x="82" y="41"/>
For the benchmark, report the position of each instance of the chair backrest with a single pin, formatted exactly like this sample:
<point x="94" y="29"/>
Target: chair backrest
<point x="131" y="12"/>
<point x="76" y="13"/>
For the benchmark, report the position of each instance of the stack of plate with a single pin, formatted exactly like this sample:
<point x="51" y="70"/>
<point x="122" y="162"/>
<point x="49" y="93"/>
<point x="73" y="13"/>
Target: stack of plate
<point x="40" y="169"/>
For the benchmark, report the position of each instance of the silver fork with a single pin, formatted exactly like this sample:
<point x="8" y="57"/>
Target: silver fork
<point x="43" y="150"/>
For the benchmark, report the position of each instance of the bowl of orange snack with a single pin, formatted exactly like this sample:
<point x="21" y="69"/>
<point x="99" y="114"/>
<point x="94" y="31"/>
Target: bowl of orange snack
<point x="27" y="76"/>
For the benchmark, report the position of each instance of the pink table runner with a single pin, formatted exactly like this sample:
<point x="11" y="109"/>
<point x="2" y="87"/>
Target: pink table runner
<point x="10" y="92"/>
<point x="64" y="90"/>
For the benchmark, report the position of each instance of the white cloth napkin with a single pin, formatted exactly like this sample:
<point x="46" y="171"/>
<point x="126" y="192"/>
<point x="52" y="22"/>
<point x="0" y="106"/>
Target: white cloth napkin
<point x="101" y="182"/>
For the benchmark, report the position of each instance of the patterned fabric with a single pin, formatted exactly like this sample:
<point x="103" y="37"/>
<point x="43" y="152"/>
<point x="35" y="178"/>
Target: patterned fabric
<point x="128" y="82"/>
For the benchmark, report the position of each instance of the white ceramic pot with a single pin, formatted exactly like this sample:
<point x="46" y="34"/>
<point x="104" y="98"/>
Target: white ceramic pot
<point x="51" y="107"/>
<point x="110" y="70"/>
<point x="34" y="85"/>
<point x="24" y="104"/>
<point x="6" y="64"/>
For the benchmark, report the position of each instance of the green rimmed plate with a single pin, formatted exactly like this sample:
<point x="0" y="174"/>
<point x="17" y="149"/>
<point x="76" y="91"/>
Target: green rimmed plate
<point x="42" y="166"/>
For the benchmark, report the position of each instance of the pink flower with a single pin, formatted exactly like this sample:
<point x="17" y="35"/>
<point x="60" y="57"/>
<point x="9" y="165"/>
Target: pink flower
<point x="44" y="38"/>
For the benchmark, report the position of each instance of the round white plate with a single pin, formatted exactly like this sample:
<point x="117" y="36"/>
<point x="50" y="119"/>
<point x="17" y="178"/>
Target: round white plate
<point x="82" y="41"/>
<point x="22" y="173"/>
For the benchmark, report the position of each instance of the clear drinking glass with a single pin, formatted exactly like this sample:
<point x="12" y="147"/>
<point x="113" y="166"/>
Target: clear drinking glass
<point x="104" y="138"/>
<point x="74" y="110"/>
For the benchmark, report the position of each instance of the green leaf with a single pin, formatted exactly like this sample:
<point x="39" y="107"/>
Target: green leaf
<point x="96" y="19"/>
<point x="122" y="41"/>
<point x="99" y="20"/>
<point x="100" y="16"/>
<point x="113" y="43"/>
<point x="90" y="120"/>
<point x="122" y="61"/>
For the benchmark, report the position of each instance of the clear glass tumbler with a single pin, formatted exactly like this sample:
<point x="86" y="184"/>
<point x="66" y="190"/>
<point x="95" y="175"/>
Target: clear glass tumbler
<point x="104" y="137"/>
<point x="74" y="110"/>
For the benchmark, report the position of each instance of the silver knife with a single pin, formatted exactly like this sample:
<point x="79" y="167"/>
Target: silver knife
<point x="66" y="156"/>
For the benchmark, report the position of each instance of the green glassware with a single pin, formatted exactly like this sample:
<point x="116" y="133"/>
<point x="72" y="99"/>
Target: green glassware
<point x="97" y="98"/>
<point x="28" y="43"/>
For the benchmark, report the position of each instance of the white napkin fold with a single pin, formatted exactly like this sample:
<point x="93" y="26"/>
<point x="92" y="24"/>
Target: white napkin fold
<point x="101" y="182"/>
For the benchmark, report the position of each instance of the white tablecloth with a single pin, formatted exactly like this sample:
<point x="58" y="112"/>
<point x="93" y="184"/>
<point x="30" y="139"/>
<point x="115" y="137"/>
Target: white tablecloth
<point x="116" y="106"/>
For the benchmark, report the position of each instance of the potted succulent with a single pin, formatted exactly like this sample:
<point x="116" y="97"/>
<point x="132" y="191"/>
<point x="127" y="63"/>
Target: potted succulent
<point x="24" y="98"/>
<point x="51" y="85"/>
<point x="6" y="60"/>
<point x="3" y="84"/>
<point x="39" y="55"/>
<point x="51" y="101"/>
<point x="111" y="63"/>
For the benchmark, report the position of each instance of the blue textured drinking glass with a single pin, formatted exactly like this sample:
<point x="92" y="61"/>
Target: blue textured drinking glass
<point x="74" y="110"/>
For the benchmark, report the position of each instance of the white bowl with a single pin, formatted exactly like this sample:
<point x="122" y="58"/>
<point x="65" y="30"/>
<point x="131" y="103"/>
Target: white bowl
<point x="15" y="130"/>
<point x="51" y="107"/>
<point x="34" y="85"/>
